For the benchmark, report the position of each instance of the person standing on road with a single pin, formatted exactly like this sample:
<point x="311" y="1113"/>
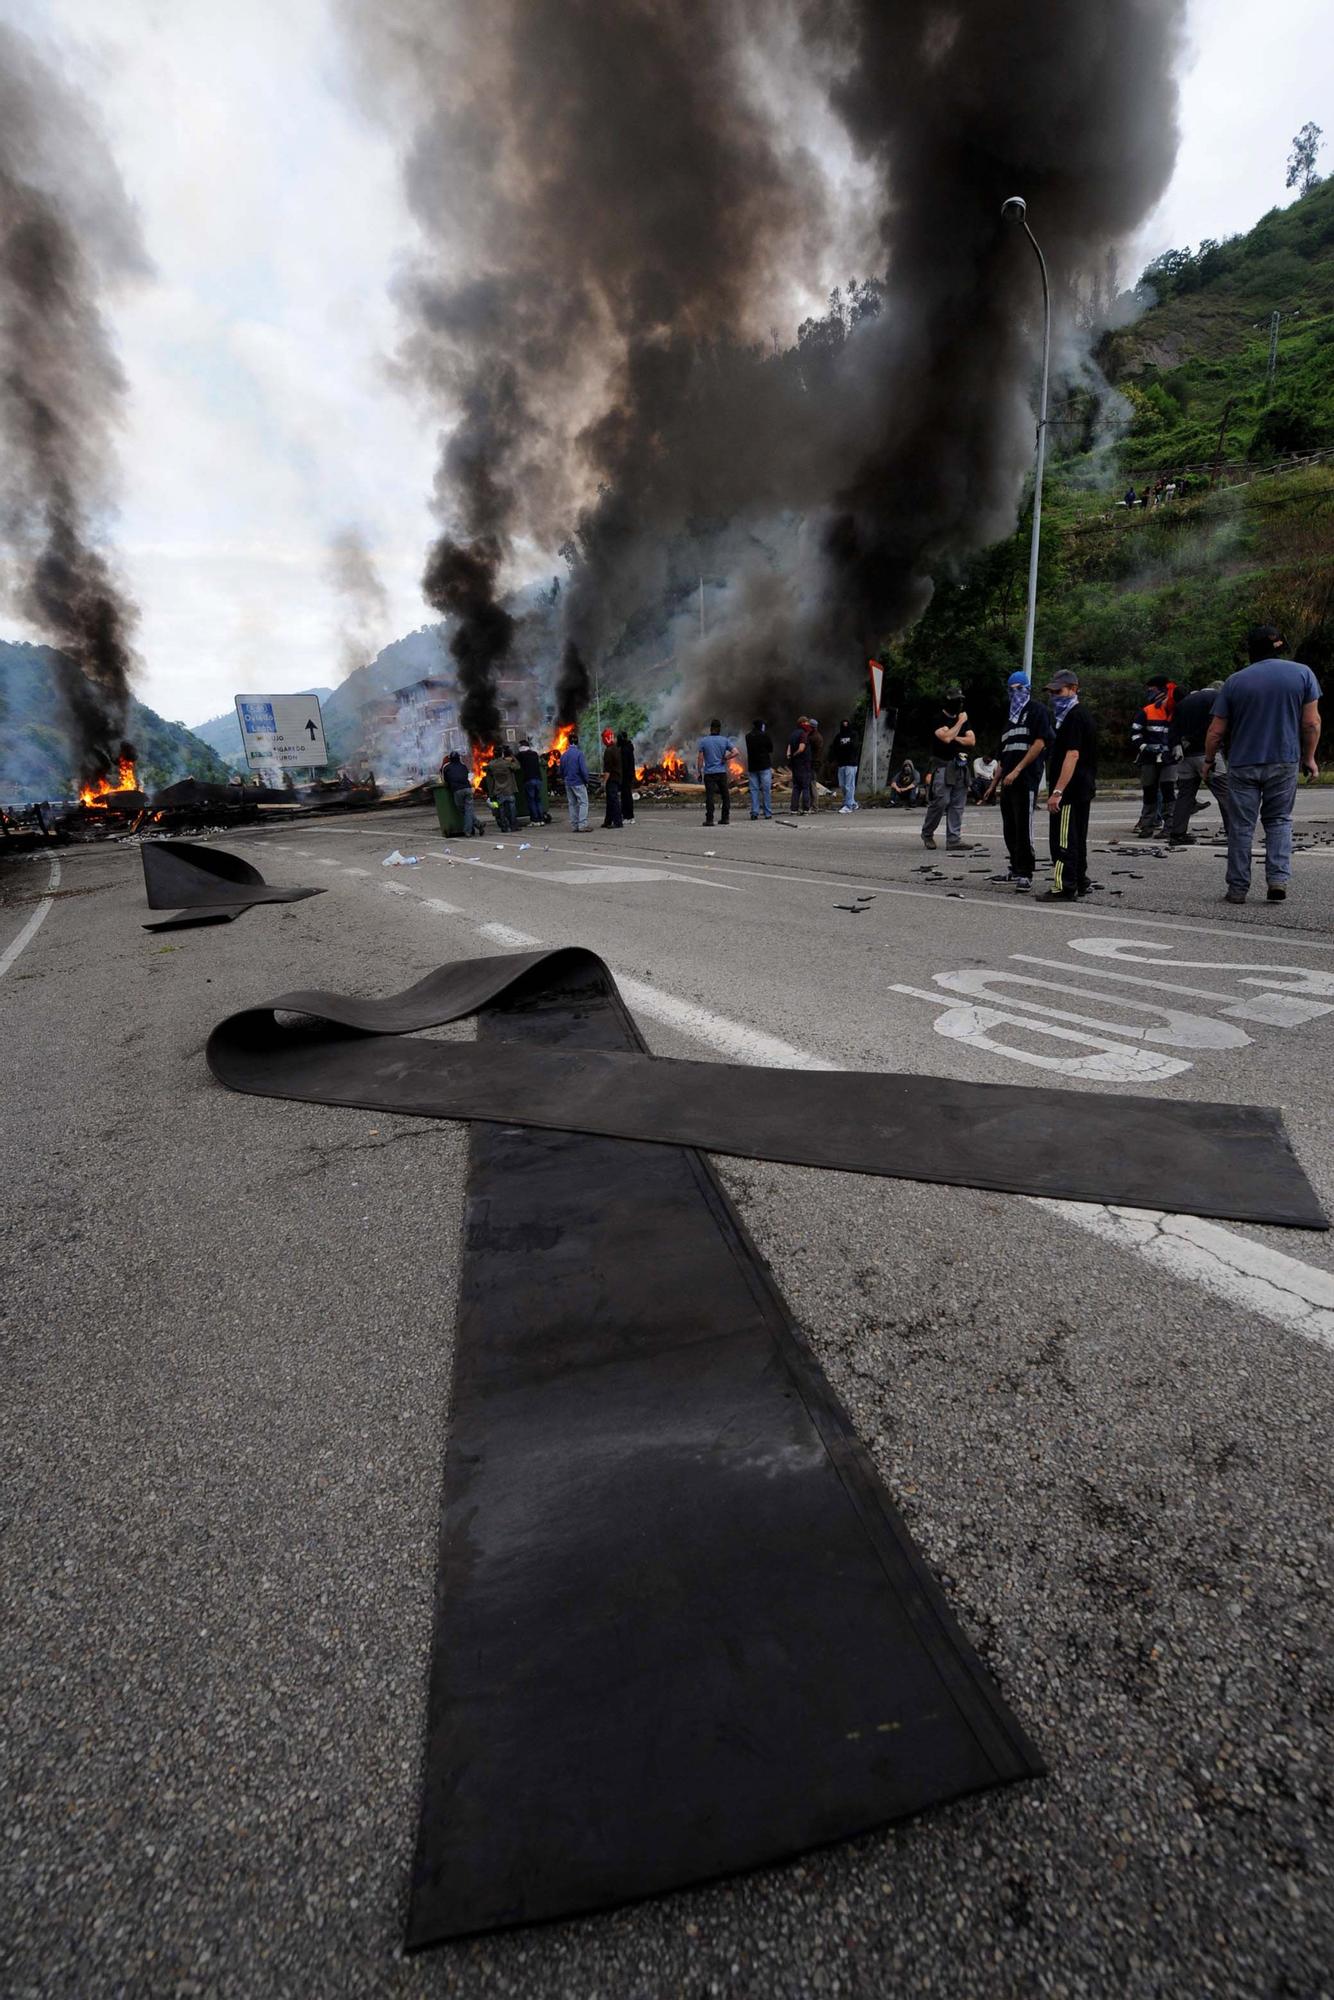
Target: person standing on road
<point x="611" y="776"/>
<point x="799" y="764"/>
<point x="1024" y="741"/>
<point x="846" y="751"/>
<point x="949" y="779"/>
<point x="816" y="744"/>
<point x="502" y="784"/>
<point x="711" y="762"/>
<point x="1269" y="714"/>
<point x="1190" y="727"/>
<point x="458" y="778"/>
<point x="627" y="750"/>
<point x="530" y="771"/>
<point x="574" y="777"/>
<point x="1072" y="780"/>
<point x="1150" y="737"/>
<point x="760" y="770"/>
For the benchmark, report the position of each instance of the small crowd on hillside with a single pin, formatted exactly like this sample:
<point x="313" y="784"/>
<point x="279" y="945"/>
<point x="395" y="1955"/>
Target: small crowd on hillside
<point x="1248" y="739"/>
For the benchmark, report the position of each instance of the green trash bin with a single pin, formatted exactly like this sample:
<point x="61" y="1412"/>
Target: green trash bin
<point x="447" y="812"/>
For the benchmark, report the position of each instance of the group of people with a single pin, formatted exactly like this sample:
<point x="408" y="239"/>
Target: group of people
<point x="618" y="780"/>
<point x="1248" y="739"/>
<point x="804" y="756"/>
<point x="507" y="775"/>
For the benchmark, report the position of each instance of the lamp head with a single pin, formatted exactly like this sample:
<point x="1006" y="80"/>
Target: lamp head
<point x="1015" y="209"/>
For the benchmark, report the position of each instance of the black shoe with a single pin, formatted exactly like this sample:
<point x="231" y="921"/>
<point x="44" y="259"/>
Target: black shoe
<point x="1235" y="896"/>
<point x="927" y="841"/>
<point x="1275" y="894"/>
<point x="958" y="846"/>
<point x="1182" y="840"/>
<point x="1057" y="896"/>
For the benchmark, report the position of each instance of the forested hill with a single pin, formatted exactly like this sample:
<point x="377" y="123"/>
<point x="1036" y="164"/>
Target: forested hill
<point x="35" y="760"/>
<point x="1172" y="586"/>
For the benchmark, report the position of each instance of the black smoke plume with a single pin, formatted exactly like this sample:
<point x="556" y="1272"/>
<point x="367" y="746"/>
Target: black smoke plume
<point x="67" y="234"/>
<point x="626" y="201"/>
<point x="460" y="582"/>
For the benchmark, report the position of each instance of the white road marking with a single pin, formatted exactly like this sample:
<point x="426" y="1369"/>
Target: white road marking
<point x="356" y="871"/>
<point x="36" y="920"/>
<point x="1110" y="1062"/>
<point x="1192" y="1251"/>
<point x="324" y="861"/>
<point x="599" y="871"/>
<point x="1287" y="978"/>
<point x="731" y="1038"/>
<point x="1269" y="1010"/>
<point x="1180" y="1030"/>
<point x="503" y="934"/>
<point x="441" y="909"/>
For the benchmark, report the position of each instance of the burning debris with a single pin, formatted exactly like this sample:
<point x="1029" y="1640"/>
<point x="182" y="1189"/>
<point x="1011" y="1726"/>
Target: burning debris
<point x="67" y="234"/>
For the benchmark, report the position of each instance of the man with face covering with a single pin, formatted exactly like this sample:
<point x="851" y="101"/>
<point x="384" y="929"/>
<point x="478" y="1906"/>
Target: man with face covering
<point x="949" y="776"/>
<point x="1024" y="740"/>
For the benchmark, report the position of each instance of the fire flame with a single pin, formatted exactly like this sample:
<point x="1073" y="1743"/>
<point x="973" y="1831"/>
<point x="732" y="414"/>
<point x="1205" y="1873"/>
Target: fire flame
<point x="481" y="757"/>
<point x="735" y="768"/>
<point x="561" y="741"/>
<point x="668" y="769"/>
<point x="98" y="794"/>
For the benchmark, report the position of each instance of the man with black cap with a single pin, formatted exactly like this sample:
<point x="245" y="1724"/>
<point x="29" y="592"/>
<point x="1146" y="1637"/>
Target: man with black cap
<point x="1072" y="779"/>
<point x="949" y="778"/>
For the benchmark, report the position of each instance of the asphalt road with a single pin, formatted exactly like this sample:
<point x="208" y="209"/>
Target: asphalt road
<point x="226" y="1328"/>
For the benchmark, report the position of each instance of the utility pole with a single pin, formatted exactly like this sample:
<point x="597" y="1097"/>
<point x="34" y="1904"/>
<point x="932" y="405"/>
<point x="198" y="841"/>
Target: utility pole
<point x="701" y="607"/>
<point x="1016" y="210"/>
<point x="1222" y="433"/>
<point x="1274" y="319"/>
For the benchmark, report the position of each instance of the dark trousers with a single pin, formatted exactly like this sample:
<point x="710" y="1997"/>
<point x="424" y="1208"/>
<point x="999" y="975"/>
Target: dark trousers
<point x="1159" y="793"/>
<point x="628" y="798"/>
<point x="1069" y="834"/>
<point x="533" y="792"/>
<point x="507" y="811"/>
<point x="715" y="787"/>
<point x="803" y="791"/>
<point x="1190" y="772"/>
<point x="612" y="816"/>
<point x="1016" y="805"/>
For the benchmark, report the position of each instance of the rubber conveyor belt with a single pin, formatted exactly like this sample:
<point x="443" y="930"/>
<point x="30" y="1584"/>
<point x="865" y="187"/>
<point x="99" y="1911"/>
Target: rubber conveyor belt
<point x="205" y="885"/>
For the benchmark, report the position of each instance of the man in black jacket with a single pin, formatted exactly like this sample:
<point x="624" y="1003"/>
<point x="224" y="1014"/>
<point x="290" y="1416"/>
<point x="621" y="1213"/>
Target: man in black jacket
<point x="1189" y="727"/>
<point x="627" y="750"/>
<point x="949" y="775"/>
<point x="1072" y="780"/>
<point x="530" y="772"/>
<point x="846" y="753"/>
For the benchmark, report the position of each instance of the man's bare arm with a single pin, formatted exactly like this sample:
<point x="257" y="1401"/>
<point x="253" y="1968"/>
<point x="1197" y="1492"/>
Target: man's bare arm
<point x="1063" y="777"/>
<point x="1310" y="736"/>
<point x="1213" y="740"/>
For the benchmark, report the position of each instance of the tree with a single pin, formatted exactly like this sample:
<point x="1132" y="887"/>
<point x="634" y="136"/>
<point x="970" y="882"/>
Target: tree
<point x="1301" y="160"/>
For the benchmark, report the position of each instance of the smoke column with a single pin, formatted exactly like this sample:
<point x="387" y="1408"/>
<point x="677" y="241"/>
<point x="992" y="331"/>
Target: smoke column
<point x="67" y="234"/>
<point x="365" y="601"/>
<point x="616" y="194"/>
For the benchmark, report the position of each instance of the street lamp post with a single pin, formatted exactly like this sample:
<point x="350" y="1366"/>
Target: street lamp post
<point x="1015" y="210"/>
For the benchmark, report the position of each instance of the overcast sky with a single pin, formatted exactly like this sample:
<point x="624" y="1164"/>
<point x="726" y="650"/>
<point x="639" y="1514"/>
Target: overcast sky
<point x="262" y="416"/>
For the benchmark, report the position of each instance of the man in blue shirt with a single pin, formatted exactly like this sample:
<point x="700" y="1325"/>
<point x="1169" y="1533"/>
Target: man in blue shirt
<point x="711" y="762"/>
<point x="574" y="777"/>
<point x="1270" y="716"/>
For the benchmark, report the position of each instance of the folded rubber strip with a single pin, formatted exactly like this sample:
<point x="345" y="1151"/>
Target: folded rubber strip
<point x="679" y="1628"/>
<point x="1233" y="1161"/>
<point x="205" y="885"/>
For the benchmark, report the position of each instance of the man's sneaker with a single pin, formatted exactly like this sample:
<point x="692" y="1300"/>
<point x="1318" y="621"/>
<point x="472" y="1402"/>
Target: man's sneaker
<point x="958" y="846"/>
<point x="928" y="842"/>
<point x="845" y="809"/>
<point x="1023" y="881"/>
<point x="1058" y="896"/>
<point x="1182" y="840"/>
<point x="1200" y="806"/>
<point x="1235" y="896"/>
<point x="1276" y="893"/>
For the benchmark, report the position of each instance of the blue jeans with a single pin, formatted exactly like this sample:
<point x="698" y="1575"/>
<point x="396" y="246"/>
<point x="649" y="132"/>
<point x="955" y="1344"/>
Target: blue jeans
<point x="847" y="778"/>
<point x="533" y="789"/>
<point x="576" y="797"/>
<point x="761" y="785"/>
<point x="1265" y="792"/>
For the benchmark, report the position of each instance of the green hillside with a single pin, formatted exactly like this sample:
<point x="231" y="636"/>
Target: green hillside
<point x="1123" y="592"/>
<point x="35" y="761"/>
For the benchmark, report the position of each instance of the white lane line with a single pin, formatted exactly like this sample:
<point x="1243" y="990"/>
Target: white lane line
<point x="441" y="909"/>
<point x="516" y="940"/>
<point x="356" y="871"/>
<point x="324" y="861"/>
<point x="34" y="923"/>
<point x="1249" y="1274"/>
<point x="731" y="1038"/>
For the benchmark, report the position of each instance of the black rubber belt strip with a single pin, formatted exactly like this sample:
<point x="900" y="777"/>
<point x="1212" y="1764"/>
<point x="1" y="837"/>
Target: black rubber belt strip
<point x="1233" y="1161"/>
<point x="680" y="1629"/>
<point x="205" y="885"/>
